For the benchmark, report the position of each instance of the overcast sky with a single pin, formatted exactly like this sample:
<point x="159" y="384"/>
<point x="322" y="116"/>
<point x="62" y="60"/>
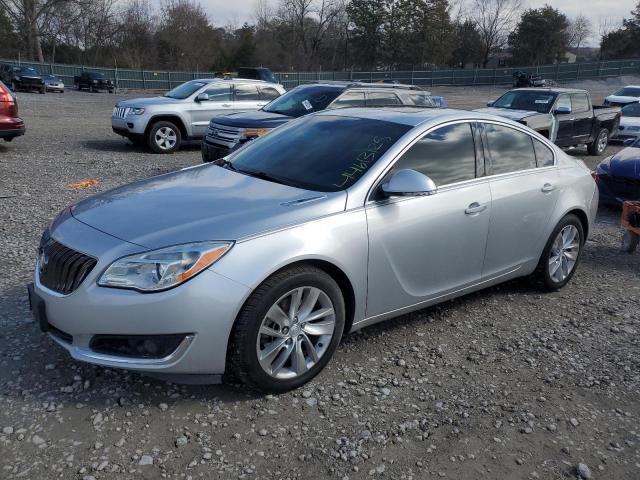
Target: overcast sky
<point x="225" y="12"/>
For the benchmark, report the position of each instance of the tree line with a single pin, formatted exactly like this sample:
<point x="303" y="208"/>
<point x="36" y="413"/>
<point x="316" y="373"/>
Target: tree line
<point x="300" y="34"/>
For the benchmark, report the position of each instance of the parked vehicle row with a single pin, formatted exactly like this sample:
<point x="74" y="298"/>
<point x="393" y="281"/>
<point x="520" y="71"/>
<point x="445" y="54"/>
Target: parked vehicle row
<point x="94" y="82"/>
<point x="22" y="78"/>
<point x="227" y="133"/>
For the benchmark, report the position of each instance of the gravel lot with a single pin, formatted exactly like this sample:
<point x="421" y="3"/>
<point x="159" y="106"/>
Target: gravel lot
<point x="509" y="383"/>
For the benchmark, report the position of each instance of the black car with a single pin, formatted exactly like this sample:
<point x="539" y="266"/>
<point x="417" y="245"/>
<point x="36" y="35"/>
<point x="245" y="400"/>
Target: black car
<point x="227" y="133"/>
<point x="257" y="73"/>
<point x="18" y="77"/>
<point x="618" y="177"/>
<point x="93" y="82"/>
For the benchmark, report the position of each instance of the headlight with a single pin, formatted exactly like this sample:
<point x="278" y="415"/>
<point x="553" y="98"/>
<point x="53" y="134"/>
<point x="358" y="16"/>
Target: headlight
<point x="136" y="111"/>
<point x="94" y="81"/>
<point x="164" y="268"/>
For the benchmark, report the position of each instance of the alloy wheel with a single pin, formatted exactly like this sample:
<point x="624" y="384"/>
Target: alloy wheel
<point x="165" y="138"/>
<point x="564" y="253"/>
<point x="295" y="333"/>
<point x="603" y="140"/>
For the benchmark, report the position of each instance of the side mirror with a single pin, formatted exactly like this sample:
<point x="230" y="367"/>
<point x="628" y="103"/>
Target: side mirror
<point x="202" y="97"/>
<point x="562" y="110"/>
<point x="490" y="104"/>
<point x="409" y="183"/>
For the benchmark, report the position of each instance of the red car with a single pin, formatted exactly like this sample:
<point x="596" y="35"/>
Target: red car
<point x="10" y="124"/>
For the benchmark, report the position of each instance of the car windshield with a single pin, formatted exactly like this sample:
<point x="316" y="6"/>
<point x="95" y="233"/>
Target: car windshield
<point x="631" y="110"/>
<point x="303" y="100"/>
<point x="27" y="71"/>
<point x="628" y="92"/>
<point x="325" y="153"/>
<point x="185" y="90"/>
<point x="529" y="100"/>
<point x="49" y="77"/>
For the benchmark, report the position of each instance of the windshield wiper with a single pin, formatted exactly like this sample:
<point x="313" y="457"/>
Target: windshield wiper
<point x="261" y="176"/>
<point x="222" y="162"/>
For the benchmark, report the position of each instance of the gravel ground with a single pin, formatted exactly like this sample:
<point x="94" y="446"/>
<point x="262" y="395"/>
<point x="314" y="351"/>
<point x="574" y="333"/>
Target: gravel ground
<point x="509" y="383"/>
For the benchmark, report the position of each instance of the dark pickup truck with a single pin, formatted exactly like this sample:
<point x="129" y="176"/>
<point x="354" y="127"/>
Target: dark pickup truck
<point x="567" y="117"/>
<point x="94" y="82"/>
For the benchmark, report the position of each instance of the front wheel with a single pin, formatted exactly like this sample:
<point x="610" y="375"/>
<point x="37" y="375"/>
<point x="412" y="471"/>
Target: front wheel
<point x="599" y="145"/>
<point x="164" y="137"/>
<point x="288" y="330"/>
<point x="562" y="253"/>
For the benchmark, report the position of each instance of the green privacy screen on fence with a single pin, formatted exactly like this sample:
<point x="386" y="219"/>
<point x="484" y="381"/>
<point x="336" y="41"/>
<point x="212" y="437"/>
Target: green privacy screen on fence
<point x="163" y="80"/>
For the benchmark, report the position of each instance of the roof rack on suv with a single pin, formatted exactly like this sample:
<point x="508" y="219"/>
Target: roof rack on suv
<point x="357" y="84"/>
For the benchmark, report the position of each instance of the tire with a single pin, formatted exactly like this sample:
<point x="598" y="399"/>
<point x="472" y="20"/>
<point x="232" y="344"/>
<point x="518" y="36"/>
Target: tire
<point x="14" y="87"/>
<point x="555" y="279"/>
<point x="630" y="241"/>
<point x="171" y="141"/>
<point x="294" y="339"/>
<point x="599" y="145"/>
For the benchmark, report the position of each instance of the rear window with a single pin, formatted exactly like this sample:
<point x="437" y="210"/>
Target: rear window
<point x="303" y="100"/>
<point x="579" y="103"/>
<point x="320" y="152"/>
<point x="509" y="150"/>
<point x="381" y="99"/>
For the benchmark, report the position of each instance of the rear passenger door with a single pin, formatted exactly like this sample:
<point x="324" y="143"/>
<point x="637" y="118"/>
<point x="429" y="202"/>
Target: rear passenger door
<point x="247" y="97"/>
<point x="564" y="136"/>
<point x="583" y="123"/>
<point x="524" y="191"/>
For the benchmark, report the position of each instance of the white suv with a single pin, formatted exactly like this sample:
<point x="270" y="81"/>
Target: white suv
<point x="183" y="114"/>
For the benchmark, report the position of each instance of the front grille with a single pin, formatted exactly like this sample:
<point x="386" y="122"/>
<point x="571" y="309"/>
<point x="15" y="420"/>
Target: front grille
<point x="120" y="112"/>
<point x="61" y="268"/>
<point x="225" y="135"/>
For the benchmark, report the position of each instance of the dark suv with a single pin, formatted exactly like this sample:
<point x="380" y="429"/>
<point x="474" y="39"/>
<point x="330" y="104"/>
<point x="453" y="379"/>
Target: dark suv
<point x="18" y="77"/>
<point x="227" y="133"/>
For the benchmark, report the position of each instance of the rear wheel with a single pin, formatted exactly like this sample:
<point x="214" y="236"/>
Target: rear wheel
<point x="599" y="145"/>
<point x="630" y="241"/>
<point x="288" y="330"/>
<point x="562" y="253"/>
<point x="164" y="137"/>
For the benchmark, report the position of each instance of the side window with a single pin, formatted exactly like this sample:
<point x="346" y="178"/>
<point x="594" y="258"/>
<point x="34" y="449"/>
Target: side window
<point x="580" y="103"/>
<point x="247" y="93"/>
<point x="446" y="155"/>
<point x="219" y="93"/>
<point x="422" y="99"/>
<point x="563" y="101"/>
<point x="349" y="99"/>
<point x="381" y="99"/>
<point x="509" y="150"/>
<point x="544" y="155"/>
<point x="269" y="93"/>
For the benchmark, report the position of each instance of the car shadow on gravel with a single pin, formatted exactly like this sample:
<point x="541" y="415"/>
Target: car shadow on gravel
<point x="121" y="145"/>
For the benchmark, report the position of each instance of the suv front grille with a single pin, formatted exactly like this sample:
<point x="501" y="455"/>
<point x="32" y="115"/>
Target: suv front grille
<point x="120" y="112"/>
<point x="228" y="136"/>
<point x="61" y="268"/>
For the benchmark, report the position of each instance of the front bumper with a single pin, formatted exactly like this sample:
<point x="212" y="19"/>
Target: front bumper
<point x="129" y="125"/>
<point x="203" y="309"/>
<point x="213" y="151"/>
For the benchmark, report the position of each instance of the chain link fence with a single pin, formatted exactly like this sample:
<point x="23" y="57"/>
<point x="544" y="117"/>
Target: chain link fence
<point x="165" y="80"/>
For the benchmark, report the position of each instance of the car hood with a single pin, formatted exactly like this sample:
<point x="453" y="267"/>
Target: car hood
<point x="145" y="102"/>
<point x="626" y="163"/>
<point x="255" y="119"/>
<point x="508" y="113"/>
<point x="202" y="203"/>
<point x="620" y="99"/>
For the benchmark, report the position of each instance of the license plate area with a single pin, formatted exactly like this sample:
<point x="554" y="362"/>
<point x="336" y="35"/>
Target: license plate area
<point x="38" y="308"/>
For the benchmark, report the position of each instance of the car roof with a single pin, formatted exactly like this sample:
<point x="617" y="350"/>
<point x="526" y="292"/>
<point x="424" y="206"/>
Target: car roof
<point x="413" y="116"/>
<point x="550" y="90"/>
<point x="346" y="84"/>
<point x="630" y="86"/>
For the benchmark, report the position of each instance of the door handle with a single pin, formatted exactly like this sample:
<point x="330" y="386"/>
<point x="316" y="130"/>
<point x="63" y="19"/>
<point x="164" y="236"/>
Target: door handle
<point x="226" y="105"/>
<point x="547" y="188"/>
<point x="475" y="208"/>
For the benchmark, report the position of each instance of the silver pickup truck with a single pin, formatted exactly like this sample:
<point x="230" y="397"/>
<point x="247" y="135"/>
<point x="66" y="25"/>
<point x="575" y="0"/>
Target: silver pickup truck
<point x="183" y="114"/>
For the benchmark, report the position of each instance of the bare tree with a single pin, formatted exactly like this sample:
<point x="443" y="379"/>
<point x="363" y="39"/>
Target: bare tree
<point x="580" y="29"/>
<point x="29" y="15"/>
<point x="495" y="19"/>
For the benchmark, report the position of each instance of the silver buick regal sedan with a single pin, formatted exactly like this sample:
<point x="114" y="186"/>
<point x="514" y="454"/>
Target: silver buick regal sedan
<point x="256" y="266"/>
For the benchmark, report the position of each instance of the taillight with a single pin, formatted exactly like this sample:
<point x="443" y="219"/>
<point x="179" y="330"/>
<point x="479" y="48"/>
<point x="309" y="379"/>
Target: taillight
<point x="8" y="103"/>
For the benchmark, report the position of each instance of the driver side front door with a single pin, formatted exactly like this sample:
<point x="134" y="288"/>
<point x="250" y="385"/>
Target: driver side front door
<point x="220" y="102"/>
<point x="421" y="248"/>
